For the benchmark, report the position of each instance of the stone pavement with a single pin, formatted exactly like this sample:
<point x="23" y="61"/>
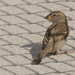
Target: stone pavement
<point x="22" y="28"/>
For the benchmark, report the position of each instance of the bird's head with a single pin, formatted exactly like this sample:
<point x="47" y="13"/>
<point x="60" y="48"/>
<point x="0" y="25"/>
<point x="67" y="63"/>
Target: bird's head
<point x="56" y="16"/>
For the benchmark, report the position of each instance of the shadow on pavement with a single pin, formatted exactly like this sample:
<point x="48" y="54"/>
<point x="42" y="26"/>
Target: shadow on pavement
<point x="35" y="48"/>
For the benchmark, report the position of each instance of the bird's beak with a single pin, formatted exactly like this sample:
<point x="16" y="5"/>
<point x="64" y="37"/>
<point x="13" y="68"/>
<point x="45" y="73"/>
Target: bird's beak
<point x="48" y="17"/>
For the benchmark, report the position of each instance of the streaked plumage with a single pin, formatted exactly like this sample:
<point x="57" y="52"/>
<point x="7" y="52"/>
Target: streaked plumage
<point x="55" y="36"/>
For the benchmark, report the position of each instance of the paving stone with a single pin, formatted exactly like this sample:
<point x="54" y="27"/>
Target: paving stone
<point x="12" y="19"/>
<point x="34" y="2"/>
<point x="2" y="42"/>
<point x="18" y="59"/>
<point x="12" y="10"/>
<point x="4" y="52"/>
<point x="62" y="58"/>
<point x="57" y="67"/>
<point x="16" y="49"/>
<point x="30" y="37"/>
<point x="40" y="69"/>
<point x="19" y="70"/>
<point x="36" y="27"/>
<point x="3" y="62"/>
<point x="72" y="63"/>
<point x="55" y="0"/>
<point x="30" y="8"/>
<point x="52" y="6"/>
<point x="71" y="72"/>
<point x="70" y="14"/>
<point x="1" y="4"/>
<point x="5" y="72"/>
<point x="3" y="32"/>
<point x="35" y="18"/>
<point x="22" y="28"/>
<point x="13" y="2"/>
<point x="68" y="4"/>
<point x="13" y="29"/>
<point x="11" y="39"/>
<point x="2" y="13"/>
<point x="2" y="23"/>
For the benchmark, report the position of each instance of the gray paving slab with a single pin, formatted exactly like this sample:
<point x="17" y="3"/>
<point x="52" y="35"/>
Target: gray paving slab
<point x="22" y="28"/>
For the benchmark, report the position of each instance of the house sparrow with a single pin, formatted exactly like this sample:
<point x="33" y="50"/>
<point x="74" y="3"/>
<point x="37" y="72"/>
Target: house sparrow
<point x="55" y="36"/>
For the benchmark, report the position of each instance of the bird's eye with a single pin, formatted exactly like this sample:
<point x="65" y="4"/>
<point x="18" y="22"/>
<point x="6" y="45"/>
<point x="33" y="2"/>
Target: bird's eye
<point x="54" y="15"/>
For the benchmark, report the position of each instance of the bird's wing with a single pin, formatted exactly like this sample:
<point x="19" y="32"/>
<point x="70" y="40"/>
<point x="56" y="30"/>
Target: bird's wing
<point x="54" y="31"/>
<point x="57" y="40"/>
<point x="59" y="28"/>
<point x="49" y="44"/>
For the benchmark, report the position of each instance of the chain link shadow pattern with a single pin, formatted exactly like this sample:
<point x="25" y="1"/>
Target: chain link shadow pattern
<point x="22" y="27"/>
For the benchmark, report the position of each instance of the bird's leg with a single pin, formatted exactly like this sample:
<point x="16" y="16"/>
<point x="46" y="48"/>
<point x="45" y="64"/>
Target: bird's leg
<point x="65" y="52"/>
<point x="42" y="54"/>
<point x="62" y="52"/>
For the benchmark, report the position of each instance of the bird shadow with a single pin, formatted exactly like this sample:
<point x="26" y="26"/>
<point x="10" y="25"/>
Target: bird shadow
<point x="35" y="48"/>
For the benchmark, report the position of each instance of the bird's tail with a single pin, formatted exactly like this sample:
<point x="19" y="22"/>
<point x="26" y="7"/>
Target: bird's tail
<point x="42" y="54"/>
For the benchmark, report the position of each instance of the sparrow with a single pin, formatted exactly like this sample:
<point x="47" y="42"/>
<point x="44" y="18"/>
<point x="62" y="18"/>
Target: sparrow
<point x="55" y="36"/>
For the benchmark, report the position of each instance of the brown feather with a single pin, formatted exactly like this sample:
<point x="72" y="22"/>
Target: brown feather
<point x="55" y="36"/>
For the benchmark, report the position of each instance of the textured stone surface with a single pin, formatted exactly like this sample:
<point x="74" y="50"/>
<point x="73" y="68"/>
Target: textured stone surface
<point x="22" y="27"/>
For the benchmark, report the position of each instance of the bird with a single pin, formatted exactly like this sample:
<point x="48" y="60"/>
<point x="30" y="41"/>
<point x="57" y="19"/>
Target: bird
<point x="55" y="36"/>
